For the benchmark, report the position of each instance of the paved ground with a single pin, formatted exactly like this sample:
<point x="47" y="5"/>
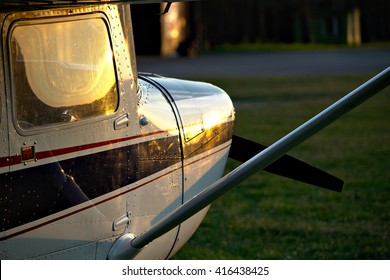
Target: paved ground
<point x="270" y="64"/>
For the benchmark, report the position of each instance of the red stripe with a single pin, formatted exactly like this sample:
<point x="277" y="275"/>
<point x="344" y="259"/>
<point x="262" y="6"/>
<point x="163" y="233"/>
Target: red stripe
<point x="14" y="160"/>
<point x="105" y="200"/>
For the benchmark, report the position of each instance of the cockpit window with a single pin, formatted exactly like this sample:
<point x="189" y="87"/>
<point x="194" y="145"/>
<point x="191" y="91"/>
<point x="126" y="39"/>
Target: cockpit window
<point x="61" y="71"/>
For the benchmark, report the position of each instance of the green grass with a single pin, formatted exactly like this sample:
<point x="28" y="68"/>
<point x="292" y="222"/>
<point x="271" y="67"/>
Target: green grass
<point x="269" y="217"/>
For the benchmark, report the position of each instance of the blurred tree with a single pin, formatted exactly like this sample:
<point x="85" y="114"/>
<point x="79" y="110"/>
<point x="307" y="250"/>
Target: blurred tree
<point x="230" y="21"/>
<point x="216" y="22"/>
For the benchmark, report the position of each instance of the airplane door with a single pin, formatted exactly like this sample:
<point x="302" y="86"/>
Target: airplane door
<point x="90" y="160"/>
<point x="70" y="145"/>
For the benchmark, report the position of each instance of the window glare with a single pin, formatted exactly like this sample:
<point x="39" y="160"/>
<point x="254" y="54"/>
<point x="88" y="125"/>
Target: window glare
<point x="62" y="66"/>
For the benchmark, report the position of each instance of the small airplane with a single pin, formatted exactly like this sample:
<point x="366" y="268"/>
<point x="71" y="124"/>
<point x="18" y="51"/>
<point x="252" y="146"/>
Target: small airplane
<point x="98" y="161"/>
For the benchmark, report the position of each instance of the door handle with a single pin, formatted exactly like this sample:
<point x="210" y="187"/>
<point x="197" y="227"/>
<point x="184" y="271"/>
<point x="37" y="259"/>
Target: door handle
<point x="121" y="122"/>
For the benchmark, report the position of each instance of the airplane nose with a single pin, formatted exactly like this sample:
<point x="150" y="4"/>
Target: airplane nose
<point x="203" y="107"/>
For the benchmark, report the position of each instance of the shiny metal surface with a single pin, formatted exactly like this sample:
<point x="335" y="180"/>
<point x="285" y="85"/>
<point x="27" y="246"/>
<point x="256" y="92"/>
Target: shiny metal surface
<point x="71" y="187"/>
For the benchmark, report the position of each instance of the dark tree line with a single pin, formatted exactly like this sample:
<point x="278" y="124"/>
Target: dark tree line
<point x="232" y="21"/>
<point x="215" y="22"/>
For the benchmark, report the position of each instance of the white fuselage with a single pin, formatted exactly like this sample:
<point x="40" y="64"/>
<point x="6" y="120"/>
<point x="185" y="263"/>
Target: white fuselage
<point x="89" y="150"/>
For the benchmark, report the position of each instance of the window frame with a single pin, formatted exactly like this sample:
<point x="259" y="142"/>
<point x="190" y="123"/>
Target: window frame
<point x="26" y="20"/>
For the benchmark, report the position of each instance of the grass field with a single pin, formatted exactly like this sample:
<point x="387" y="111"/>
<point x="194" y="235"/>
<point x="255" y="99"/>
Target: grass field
<point x="269" y="217"/>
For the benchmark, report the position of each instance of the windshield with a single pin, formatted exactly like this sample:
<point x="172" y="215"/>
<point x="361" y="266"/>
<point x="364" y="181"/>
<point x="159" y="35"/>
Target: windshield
<point x="62" y="66"/>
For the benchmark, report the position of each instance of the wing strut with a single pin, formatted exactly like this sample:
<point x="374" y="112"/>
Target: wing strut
<point x="127" y="247"/>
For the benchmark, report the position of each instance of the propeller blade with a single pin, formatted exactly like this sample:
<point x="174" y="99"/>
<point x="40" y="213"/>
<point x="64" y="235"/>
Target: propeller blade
<point x="243" y="149"/>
